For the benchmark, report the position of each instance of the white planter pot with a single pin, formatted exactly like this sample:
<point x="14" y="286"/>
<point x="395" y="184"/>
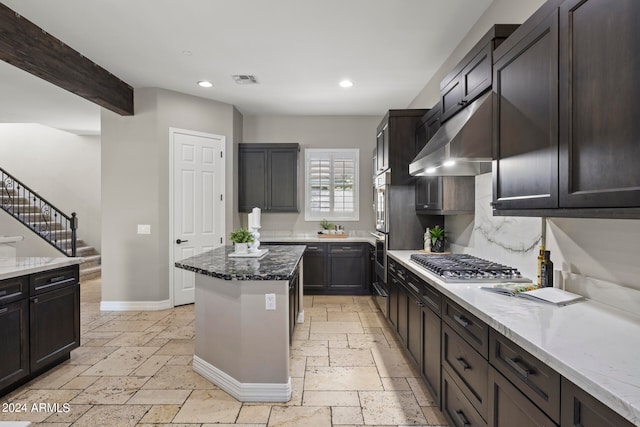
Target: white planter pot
<point x="241" y="248"/>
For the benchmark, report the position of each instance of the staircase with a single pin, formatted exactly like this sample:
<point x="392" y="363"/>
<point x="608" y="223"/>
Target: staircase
<point x="48" y="222"/>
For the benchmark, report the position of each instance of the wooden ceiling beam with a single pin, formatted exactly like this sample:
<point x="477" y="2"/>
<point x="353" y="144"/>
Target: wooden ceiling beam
<point x="28" y="47"/>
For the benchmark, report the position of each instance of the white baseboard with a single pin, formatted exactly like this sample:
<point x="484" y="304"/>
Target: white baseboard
<point x="244" y="392"/>
<point x="135" y="305"/>
<point x="300" y="318"/>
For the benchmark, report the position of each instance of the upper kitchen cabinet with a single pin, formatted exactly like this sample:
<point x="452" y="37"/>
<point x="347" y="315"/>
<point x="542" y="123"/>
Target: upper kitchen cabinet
<point x="472" y="76"/>
<point x="268" y="177"/>
<point x="395" y="145"/>
<point x="566" y="131"/>
<point x="525" y="134"/>
<point x="599" y="103"/>
<point x="382" y="148"/>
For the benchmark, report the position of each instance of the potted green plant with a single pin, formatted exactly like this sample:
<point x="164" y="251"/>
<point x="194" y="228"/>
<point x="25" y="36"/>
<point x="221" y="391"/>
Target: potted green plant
<point x="438" y="237"/>
<point x="326" y="226"/>
<point x="241" y="239"/>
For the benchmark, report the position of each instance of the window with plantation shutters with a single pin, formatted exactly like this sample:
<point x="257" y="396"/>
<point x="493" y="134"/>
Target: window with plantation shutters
<point x="331" y="186"/>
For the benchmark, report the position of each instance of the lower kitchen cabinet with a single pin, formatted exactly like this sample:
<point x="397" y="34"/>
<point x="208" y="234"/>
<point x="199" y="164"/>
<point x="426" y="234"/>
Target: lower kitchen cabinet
<point x="315" y="274"/>
<point x="348" y="266"/>
<point x="14" y="336"/>
<point x="430" y="356"/>
<point x="510" y="407"/>
<point x="394" y="291"/>
<point x="580" y="409"/>
<point x="40" y="325"/>
<point x="456" y="407"/>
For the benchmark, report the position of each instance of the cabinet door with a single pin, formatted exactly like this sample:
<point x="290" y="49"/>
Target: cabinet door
<point x="525" y="137"/>
<point x="382" y="148"/>
<point x="428" y="193"/>
<point x="509" y="407"/>
<point x="403" y="313"/>
<point x="315" y="269"/>
<point x="282" y="188"/>
<point x="54" y="325"/>
<point x="347" y="269"/>
<point x="451" y="98"/>
<point x="580" y="409"/>
<point x="431" y="356"/>
<point x="414" y="327"/>
<point x="14" y="336"/>
<point x="252" y="179"/>
<point x="476" y="76"/>
<point x="599" y="103"/>
<point x="456" y="407"/>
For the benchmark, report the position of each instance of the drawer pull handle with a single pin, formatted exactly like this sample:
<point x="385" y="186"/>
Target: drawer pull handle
<point x="69" y="280"/>
<point x="515" y="364"/>
<point x="463" y="363"/>
<point x="462" y="418"/>
<point x="414" y="287"/>
<point x="430" y="301"/>
<point x="461" y="320"/>
<point x="4" y="310"/>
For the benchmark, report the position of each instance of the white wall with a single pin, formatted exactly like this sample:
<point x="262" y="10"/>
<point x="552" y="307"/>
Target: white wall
<point x="317" y="132"/>
<point x="62" y="167"/>
<point x="135" y="187"/>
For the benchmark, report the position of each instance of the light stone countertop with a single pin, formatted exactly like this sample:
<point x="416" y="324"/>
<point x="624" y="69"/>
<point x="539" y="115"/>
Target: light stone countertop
<point x="594" y="345"/>
<point x="353" y="236"/>
<point x="21" y="266"/>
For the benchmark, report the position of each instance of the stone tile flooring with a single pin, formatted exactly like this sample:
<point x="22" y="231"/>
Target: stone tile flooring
<point x="134" y="369"/>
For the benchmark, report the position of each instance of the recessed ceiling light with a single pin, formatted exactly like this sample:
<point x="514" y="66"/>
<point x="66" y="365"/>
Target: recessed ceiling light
<point x="205" y="83"/>
<point x="346" y="83"/>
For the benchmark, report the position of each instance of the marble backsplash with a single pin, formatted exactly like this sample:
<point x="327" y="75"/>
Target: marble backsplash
<point x="512" y="241"/>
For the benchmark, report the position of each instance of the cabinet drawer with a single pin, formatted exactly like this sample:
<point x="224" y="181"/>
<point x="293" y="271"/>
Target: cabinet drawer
<point x="396" y="269"/>
<point x="53" y="279"/>
<point x="413" y="284"/>
<point x="318" y="248"/>
<point x="467" y="367"/>
<point x="579" y="408"/>
<point x="472" y="329"/>
<point x="456" y="407"/>
<point x="13" y="289"/>
<point x="535" y="379"/>
<point x="337" y="248"/>
<point x="432" y="299"/>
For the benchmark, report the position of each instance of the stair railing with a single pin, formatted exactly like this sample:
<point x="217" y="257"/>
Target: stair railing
<point x="38" y="214"/>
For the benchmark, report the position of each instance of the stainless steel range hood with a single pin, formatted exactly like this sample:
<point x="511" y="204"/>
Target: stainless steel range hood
<point x="462" y="145"/>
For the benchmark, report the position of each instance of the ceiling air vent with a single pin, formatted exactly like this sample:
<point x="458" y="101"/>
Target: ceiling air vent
<point x="245" y="79"/>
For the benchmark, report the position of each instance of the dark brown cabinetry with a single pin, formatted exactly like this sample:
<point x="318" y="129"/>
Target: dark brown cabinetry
<point x="580" y="409"/>
<point x="39" y="323"/>
<point x="14" y="335"/>
<point x="268" y="177"/>
<point x="472" y="76"/>
<point x="565" y="139"/>
<point x="348" y="268"/>
<point x="525" y="137"/>
<point x="315" y="271"/>
<point x="382" y="148"/>
<point x="335" y="268"/>
<point x="599" y="103"/>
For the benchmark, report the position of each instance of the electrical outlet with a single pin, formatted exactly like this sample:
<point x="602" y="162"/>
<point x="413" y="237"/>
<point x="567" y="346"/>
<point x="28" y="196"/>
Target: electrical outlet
<point x="144" y="228"/>
<point x="269" y="301"/>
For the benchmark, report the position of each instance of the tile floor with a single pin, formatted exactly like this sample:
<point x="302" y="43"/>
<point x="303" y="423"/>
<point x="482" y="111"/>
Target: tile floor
<point x="134" y="369"/>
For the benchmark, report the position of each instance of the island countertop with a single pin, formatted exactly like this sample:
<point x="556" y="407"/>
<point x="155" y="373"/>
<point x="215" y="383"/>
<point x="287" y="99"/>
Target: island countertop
<point x="278" y="264"/>
<point x="20" y="266"/>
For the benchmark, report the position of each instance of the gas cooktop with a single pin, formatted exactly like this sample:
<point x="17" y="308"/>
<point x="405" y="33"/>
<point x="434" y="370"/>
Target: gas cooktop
<point x="461" y="268"/>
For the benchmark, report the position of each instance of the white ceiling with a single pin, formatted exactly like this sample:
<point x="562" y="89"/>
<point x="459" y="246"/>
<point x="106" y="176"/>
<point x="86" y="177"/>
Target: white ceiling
<point x="298" y="49"/>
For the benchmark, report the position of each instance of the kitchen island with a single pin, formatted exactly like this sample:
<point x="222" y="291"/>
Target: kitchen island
<point x="245" y="310"/>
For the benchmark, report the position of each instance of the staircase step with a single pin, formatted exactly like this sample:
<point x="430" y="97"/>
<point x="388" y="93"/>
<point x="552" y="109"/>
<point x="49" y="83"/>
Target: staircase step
<point x="90" y="261"/>
<point x="90" y="273"/>
<point x="86" y="251"/>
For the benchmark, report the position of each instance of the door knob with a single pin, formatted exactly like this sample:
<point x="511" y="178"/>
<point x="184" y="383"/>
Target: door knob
<point x="181" y="241"/>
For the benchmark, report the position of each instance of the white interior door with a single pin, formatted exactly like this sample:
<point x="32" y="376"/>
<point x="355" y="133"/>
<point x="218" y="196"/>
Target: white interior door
<point x="198" y="203"/>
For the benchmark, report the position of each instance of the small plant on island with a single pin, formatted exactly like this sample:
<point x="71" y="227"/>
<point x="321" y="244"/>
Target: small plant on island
<point x="241" y="235"/>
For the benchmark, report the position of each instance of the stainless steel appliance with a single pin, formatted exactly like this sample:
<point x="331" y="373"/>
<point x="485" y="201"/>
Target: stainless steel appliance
<point x="381" y="200"/>
<point x="461" y="268"/>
